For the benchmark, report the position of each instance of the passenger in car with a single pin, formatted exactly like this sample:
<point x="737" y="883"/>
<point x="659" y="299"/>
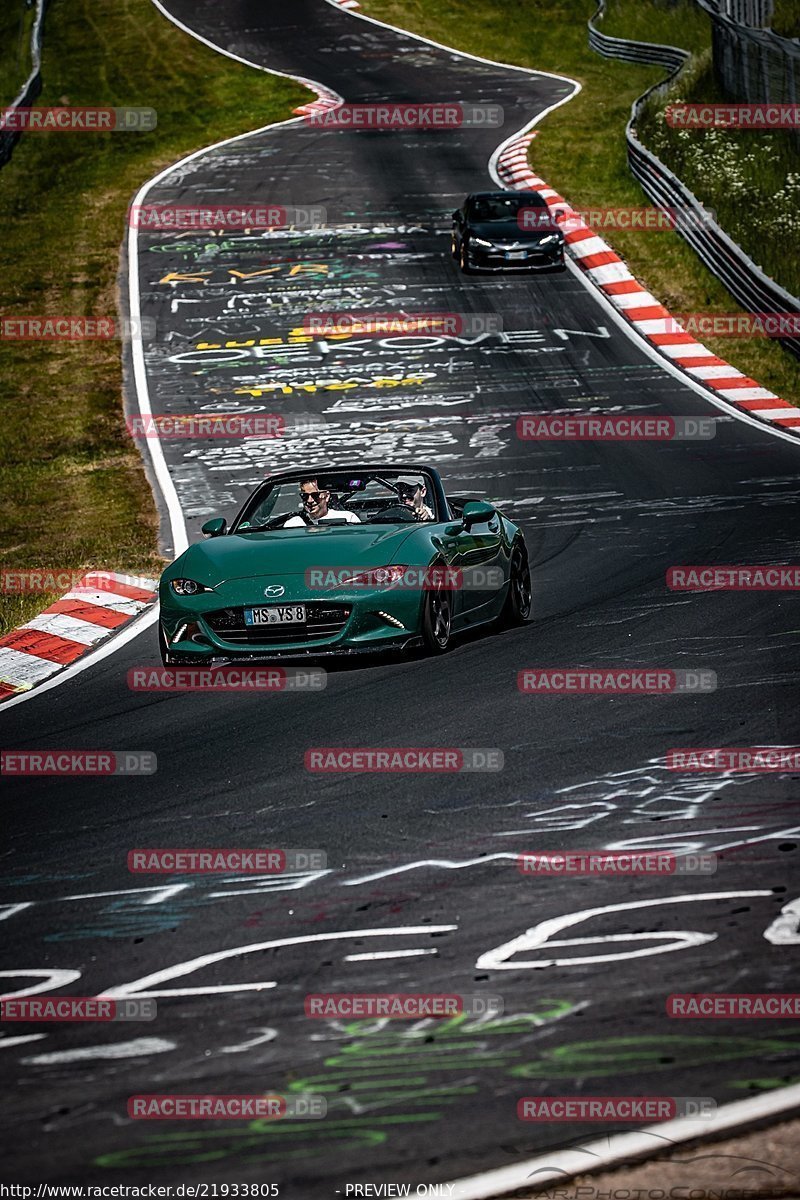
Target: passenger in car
<point x="316" y="507"/>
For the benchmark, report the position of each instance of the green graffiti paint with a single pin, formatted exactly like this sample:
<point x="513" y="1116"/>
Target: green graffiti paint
<point x="627" y="1055"/>
<point x="764" y="1085"/>
<point x="215" y="1145"/>
<point x="377" y="1069"/>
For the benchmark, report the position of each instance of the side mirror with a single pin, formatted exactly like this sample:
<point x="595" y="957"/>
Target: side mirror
<point x="456" y="215"/>
<point x="215" y="527"/>
<point x="477" y="512"/>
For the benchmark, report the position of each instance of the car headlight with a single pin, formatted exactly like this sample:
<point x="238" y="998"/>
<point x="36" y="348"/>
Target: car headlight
<point x="476" y="241"/>
<point x="188" y="587"/>
<point x="551" y="237"/>
<point x="375" y="577"/>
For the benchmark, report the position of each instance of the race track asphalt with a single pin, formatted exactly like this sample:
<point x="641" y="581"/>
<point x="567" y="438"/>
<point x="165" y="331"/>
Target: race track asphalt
<point x="421" y="863"/>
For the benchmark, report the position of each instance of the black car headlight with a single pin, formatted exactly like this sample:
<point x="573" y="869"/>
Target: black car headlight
<point x="476" y="241"/>
<point x="188" y="587"/>
<point x="551" y="237"/>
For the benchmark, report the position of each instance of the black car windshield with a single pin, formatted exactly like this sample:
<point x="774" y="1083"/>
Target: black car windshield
<point x="371" y="498"/>
<point x="501" y="208"/>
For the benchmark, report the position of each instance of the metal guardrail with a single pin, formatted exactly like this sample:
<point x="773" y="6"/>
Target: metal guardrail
<point x="746" y="282"/>
<point x="32" y="87"/>
<point x="637" y="52"/>
<point x="753" y="64"/>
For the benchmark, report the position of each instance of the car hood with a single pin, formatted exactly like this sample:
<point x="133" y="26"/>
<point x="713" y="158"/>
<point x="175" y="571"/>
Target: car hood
<point x="508" y="231"/>
<point x="284" y="552"/>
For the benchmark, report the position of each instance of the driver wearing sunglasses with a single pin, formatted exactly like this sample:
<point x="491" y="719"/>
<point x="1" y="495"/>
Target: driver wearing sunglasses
<point x="316" y="507"/>
<point x="411" y="493"/>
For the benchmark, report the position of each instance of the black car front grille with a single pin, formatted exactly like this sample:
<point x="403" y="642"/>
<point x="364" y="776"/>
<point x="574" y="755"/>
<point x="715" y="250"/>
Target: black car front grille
<point x="322" y="621"/>
<point x="531" y="248"/>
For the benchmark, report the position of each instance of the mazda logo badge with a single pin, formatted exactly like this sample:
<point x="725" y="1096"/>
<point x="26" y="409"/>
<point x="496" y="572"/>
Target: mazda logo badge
<point x="274" y="589"/>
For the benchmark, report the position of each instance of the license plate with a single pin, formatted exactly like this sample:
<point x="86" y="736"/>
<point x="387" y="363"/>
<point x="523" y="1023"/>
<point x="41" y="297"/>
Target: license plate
<point x="279" y="614"/>
<point x="516" y="254"/>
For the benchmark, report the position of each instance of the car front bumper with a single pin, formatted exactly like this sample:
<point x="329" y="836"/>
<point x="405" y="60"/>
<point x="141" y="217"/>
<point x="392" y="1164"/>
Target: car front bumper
<point x="203" y="631"/>
<point x="536" y="259"/>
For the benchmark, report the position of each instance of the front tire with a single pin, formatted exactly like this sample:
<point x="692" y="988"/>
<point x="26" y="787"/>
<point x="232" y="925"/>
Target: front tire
<point x="437" y="621"/>
<point x="463" y="260"/>
<point x="517" y="607"/>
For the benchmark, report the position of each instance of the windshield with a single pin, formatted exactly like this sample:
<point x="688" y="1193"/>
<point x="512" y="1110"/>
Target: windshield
<point x="500" y="208"/>
<point x="377" y="498"/>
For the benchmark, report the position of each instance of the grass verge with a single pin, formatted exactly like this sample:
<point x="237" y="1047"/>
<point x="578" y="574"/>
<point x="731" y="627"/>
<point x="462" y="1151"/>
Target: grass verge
<point x="786" y="19"/>
<point x="751" y="180"/>
<point x="74" y="490"/>
<point x="671" y="23"/>
<point x="580" y="148"/>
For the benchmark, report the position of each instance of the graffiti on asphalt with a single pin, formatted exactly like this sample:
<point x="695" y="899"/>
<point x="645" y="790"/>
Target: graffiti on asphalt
<point x="418" y="1070"/>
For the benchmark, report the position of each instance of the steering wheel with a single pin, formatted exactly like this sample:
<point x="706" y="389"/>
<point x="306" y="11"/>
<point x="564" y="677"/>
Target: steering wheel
<point x="395" y="512"/>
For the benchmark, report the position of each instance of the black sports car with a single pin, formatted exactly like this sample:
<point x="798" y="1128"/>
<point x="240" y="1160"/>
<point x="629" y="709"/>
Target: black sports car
<point x="501" y="231"/>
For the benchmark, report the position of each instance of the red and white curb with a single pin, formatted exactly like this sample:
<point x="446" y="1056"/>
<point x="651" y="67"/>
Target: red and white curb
<point x="98" y="606"/>
<point x="642" y="310"/>
<point x="325" y="97"/>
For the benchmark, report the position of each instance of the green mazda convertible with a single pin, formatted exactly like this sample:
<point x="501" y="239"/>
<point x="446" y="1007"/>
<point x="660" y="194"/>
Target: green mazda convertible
<point x="343" y="560"/>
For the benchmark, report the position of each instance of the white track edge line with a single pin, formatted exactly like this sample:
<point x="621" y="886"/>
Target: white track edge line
<point x="177" y="521"/>
<point x="564" y="1165"/>
<point x="163" y="478"/>
<point x="630" y="330"/>
<point x="728" y="1116"/>
<point x="36" y="56"/>
<point x="740" y="1111"/>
